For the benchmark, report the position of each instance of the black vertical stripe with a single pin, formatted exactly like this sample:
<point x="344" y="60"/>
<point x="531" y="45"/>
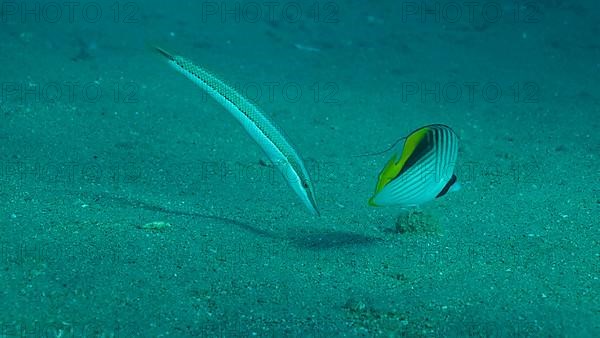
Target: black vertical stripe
<point x="447" y="186"/>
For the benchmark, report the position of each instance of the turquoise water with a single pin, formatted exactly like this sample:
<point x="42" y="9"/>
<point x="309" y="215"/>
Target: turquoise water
<point x="134" y="205"/>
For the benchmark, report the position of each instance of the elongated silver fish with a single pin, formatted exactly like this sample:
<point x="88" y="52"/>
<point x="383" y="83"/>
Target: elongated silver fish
<point x="256" y="123"/>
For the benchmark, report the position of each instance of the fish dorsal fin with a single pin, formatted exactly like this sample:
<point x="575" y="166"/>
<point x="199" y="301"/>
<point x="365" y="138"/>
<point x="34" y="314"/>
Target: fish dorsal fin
<point x="383" y="151"/>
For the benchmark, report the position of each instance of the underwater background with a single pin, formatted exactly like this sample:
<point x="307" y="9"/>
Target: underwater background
<point x="132" y="204"/>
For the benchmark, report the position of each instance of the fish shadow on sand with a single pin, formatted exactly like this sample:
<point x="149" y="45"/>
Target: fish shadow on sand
<point x="129" y="202"/>
<point x="311" y="241"/>
<point x="332" y="240"/>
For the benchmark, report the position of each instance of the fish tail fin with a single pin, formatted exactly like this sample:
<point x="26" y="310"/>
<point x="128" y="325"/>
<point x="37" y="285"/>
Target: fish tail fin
<point x="455" y="187"/>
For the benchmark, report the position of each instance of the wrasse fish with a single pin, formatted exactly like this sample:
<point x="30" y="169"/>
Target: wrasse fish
<point x="260" y="128"/>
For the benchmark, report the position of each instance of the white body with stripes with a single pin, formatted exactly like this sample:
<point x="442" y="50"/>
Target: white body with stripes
<point x="430" y="174"/>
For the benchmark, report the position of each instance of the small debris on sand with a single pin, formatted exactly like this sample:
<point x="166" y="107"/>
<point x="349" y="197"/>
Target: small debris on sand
<point x="416" y="222"/>
<point x="156" y="225"/>
<point x="306" y="48"/>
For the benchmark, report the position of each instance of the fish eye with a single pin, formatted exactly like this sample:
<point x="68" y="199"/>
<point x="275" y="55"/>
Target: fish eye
<point x="305" y="185"/>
